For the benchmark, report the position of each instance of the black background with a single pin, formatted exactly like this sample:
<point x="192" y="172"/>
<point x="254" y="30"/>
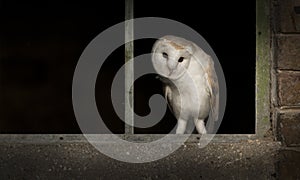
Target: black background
<point x="41" y="42"/>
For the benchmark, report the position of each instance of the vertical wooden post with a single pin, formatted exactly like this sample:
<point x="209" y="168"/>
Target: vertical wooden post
<point x="129" y="69"/>
<point x="262" y="67"/>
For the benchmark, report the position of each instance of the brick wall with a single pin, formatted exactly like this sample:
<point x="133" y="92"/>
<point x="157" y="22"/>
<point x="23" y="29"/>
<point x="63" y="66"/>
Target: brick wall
<point x="286" y="71"/>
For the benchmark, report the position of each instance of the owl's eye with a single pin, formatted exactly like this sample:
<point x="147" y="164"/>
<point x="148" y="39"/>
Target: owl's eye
<point x="180" y="59"/>
<point x="165" y="55"/>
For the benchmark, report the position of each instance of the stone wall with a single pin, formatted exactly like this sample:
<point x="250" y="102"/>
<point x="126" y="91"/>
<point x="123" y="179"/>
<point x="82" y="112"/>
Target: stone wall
<point x="285" y="17"/>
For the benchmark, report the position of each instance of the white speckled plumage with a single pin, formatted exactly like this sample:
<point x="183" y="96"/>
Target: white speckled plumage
<point x="190" y="81"/>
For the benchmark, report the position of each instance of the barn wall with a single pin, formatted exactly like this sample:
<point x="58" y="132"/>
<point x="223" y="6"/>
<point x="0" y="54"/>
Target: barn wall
<point x="286" y="71"/>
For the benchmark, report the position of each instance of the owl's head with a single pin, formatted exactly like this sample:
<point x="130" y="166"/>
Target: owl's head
<point x="171" y="56"/>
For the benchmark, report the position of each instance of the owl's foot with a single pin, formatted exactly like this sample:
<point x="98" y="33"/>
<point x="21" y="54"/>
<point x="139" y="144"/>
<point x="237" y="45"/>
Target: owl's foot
<point x="200" y="126"/>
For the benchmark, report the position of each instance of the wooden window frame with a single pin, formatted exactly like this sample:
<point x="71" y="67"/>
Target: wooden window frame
<point x="262" y="94"/>
<point x="262" y="79"/>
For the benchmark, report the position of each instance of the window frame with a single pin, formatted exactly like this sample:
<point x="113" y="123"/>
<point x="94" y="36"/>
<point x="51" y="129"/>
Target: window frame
<point x="262" y="79"/>
<point x="262" y="92"/>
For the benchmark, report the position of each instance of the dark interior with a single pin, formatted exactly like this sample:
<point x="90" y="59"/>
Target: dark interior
<point x="41" y="42"/>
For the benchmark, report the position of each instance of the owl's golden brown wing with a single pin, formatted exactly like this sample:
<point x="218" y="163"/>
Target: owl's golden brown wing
<point x="212" y="80"/>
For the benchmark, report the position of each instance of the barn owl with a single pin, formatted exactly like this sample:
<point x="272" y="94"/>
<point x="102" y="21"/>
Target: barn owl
<point x="189" y="81"/>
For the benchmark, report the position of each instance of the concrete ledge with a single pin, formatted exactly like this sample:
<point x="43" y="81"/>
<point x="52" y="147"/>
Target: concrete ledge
<point x="105" y="138"/>
<point x="63" y="159"/>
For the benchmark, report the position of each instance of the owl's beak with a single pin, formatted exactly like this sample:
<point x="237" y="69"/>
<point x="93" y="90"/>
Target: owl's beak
<point x="172" y="65"/>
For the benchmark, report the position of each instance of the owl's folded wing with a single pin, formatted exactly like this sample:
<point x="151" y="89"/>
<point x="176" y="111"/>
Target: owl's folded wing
<point x="168" y="96"/>
<point x="213" y="85"/>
